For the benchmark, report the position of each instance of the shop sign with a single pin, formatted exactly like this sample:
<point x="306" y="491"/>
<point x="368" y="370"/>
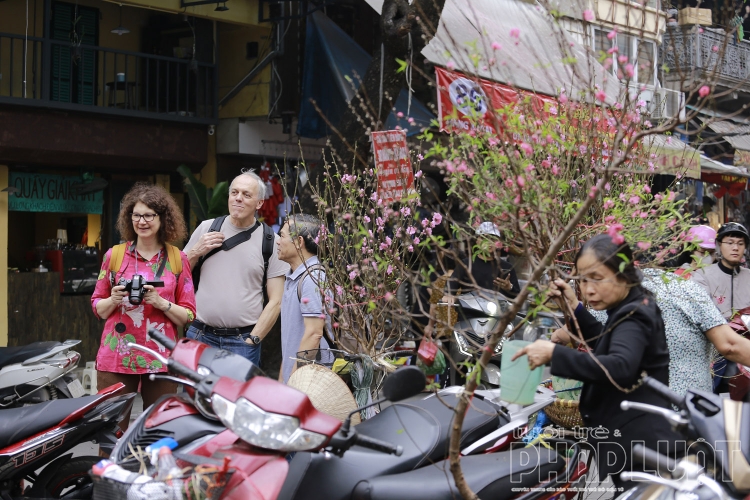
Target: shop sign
<point x="392" y="164"/>
<point x="734" y="184"/>
<point x="51" y="193"/>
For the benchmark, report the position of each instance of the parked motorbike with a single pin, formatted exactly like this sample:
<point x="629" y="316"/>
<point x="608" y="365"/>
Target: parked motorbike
<point x="478" y="315"/>
<point x="38" y="372"/>
<point x="718" y="455"/>
<point x="258" y="421"/>
<point x="41" y="435"/>
<point x="736" y="377"/>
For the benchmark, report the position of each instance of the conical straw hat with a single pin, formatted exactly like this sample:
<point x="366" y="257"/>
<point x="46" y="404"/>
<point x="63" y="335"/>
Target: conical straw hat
<point x="327" y="392"/>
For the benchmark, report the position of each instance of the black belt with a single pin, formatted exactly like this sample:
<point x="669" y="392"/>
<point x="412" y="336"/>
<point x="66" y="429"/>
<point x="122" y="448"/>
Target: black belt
<point x="221" y="332"/>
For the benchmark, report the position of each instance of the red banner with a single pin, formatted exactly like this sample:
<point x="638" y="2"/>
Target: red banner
<point x="462" y="102"/>
<point x="392" y="164"/>
<point x="730" y="183"/>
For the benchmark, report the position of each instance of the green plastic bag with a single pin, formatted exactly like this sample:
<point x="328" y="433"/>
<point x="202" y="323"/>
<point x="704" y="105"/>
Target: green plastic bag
<point x="438" y="366"/>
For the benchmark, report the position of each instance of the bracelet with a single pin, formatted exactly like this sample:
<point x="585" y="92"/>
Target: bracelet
<point x="168" y="307"/>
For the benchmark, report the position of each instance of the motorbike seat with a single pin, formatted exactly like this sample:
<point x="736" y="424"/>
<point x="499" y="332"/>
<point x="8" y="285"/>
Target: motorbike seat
<point x="420" y="427"/>
<point x="12" y="355"/>
<point x="20" y="423"/>
<point x="500" y="476"/>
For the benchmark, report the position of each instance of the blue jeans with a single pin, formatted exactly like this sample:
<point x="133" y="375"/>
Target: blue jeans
<point x="233" y="343"/>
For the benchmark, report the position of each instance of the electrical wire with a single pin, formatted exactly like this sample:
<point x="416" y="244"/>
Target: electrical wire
<point x="26" y="49"/>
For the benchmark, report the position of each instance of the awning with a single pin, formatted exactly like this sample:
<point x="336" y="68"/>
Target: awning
<point x="735" y="134"/>
<point x="333" y="64"/>
<point x="673" y="156"/>
<point x="530" y="58"/>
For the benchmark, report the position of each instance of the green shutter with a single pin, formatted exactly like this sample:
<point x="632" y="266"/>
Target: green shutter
<point x="74" y="82"/>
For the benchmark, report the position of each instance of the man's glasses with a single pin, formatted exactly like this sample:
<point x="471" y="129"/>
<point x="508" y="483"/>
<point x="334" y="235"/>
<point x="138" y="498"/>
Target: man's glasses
<point x="738" y="244"/>
<point x="147" y="217"/>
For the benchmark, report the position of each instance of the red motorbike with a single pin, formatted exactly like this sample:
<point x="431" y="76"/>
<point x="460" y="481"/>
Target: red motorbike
<point x="736" y="375"/>
<point x="41" y="435"/>
<point x="280" y="446"/>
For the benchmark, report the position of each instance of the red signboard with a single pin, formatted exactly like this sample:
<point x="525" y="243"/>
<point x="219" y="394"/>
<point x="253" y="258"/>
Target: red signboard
<point x="392" y="164"/>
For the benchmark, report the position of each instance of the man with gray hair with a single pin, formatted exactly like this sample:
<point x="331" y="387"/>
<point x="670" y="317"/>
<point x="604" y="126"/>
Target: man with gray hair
<point x="305" y="318"/>
<point x="230" y="258"/>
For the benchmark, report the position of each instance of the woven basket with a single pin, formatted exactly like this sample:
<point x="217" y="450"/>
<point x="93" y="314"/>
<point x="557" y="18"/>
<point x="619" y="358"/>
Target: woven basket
<point x="564" y="413"/>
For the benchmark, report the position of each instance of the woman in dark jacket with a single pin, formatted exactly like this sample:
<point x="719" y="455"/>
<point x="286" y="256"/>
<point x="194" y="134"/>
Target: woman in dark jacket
<point x="631" y="343"/>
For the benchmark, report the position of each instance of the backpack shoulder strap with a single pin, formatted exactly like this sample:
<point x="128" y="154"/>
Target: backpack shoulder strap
<point x="267" y="249"/>
<point x="115" y="260"/>
<point x="174" y="259"/>
<point x="304" y="276"/>
<point x="216" y="224"/>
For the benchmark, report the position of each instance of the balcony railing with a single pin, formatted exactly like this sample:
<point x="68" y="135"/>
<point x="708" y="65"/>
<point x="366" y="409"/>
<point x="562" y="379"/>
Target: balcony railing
<point x="709" y="52"/>
<point x="43" y="72"/>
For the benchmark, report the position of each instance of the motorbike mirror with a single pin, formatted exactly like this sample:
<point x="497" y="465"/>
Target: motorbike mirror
<point x="404" y="383"/>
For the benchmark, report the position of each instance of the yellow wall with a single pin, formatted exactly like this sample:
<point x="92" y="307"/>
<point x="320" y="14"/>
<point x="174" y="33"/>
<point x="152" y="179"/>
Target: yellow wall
<point x="3" y="257"/>
<point x="94" y="228"/>
<point x="233" y="66"/>
<point x="240" y="11"/>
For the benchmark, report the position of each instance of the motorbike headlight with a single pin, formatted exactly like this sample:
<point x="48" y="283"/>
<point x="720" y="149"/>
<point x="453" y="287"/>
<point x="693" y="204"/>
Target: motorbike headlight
<point x="263" y="429"/>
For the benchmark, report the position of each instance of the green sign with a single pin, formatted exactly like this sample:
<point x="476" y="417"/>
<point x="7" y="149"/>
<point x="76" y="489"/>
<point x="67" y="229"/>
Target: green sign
<point x="51" y="193"/>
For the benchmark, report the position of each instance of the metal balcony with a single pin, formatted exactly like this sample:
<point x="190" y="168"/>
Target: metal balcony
<point x="49" y="73"/>
<point x="692" y="53"/>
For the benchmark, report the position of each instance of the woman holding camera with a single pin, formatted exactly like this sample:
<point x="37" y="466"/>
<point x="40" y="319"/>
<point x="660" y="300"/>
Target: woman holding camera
<point x="139" y="289"/>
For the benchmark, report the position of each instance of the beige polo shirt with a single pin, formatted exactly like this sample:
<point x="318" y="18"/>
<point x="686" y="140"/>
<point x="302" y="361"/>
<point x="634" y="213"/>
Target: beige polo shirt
<point x="230" y="294"/>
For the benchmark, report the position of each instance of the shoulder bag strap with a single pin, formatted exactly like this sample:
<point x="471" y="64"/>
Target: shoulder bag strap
<point x="115" y="261"/>
<point x="267" y="249"/>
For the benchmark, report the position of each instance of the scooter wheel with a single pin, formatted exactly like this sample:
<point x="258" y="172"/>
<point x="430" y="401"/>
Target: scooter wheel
<point x="65" y="479"/>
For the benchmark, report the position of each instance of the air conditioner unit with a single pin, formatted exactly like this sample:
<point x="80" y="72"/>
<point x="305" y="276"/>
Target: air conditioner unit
<point x="667" y="104"/>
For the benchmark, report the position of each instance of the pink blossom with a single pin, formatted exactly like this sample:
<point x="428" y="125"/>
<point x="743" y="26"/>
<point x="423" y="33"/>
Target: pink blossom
<point x="704" y="91"/>
<point x="496" y="46"/>
<point x="629" y="72"/>
<point x="546" y="163"/>
<point x="416" y="241"/>
<point x="613" y="50"/>
<point x="305" y="300"/>
<point x="622" y="59"/>
<point x="553" y="110"/>
<point x="634" y="200"/>
<point x="322" y="316"/>
<point x="592" y="193"/>
<point x="644" y="245"/>
<point x="646" y="189"/>
<point x="335" y="325"/>
<point x="601" y="96"/>
<point x="449" y="166"/>
<point x="555" y="170"/>
<point x="527" y="148"/>
<point x="715" y="48"/>
<point x="374" y="266"/>
<point x="611" y="34"/>
<point x="450" y="65"/>
<point x="609" y="219"/>
<point x="352" y="275"/>
<point x="388" y="296"/>
<point x="437" y="218"/>
<point x="521" y="181"/>
<point x="389" y="270"/>
<point x="614" y="232"/>
<point x="399" y="114"/>
<point x="608" y="204"/>
<point x="588" y="16"/>
<point x="418" y="174"/>
<point x="410" y="248"/>
<point x="515" y="33"/>
<point x="607" y="187"/>
<point x="366" y="219"/>
<point x="491" y="196"/>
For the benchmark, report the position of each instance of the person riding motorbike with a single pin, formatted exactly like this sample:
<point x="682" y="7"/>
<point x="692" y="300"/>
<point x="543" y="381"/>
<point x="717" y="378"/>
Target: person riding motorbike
<point x="705" y="238"/>
<point x="728" y="283"/>
<point x="485" y="269"/>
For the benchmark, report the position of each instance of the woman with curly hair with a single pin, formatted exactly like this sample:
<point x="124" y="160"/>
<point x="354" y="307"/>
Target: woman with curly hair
<point x="149" y="218"/>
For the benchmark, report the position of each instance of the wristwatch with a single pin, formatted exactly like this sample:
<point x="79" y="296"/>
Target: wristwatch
<point x="254" y="339"/>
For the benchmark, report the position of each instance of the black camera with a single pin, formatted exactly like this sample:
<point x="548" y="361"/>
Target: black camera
<point x="135" y="287"/>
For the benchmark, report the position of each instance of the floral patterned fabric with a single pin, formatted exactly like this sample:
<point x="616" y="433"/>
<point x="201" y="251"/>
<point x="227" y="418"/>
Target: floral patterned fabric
<point x="688" y="312"/>
<point x="114" y="355"/>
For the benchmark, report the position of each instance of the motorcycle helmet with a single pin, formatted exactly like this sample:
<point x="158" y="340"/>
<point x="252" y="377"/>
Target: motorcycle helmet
<point x="733" y="228"/>
<point x="704" y="236"/>
<point x="488" y="228"/>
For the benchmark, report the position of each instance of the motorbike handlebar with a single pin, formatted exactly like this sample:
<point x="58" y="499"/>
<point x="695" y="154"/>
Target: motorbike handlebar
<point x="664" y="391"/>
<point x="378" y="445"/>
<point x="659" y="462"/>
<point x="162" y="339"/>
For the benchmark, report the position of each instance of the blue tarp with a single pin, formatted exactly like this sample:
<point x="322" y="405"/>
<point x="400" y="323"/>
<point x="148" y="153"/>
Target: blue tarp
<point x="330" y="57"/>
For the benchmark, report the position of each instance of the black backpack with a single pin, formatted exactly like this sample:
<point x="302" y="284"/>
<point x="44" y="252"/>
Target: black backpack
<point x="266" y="248"/>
